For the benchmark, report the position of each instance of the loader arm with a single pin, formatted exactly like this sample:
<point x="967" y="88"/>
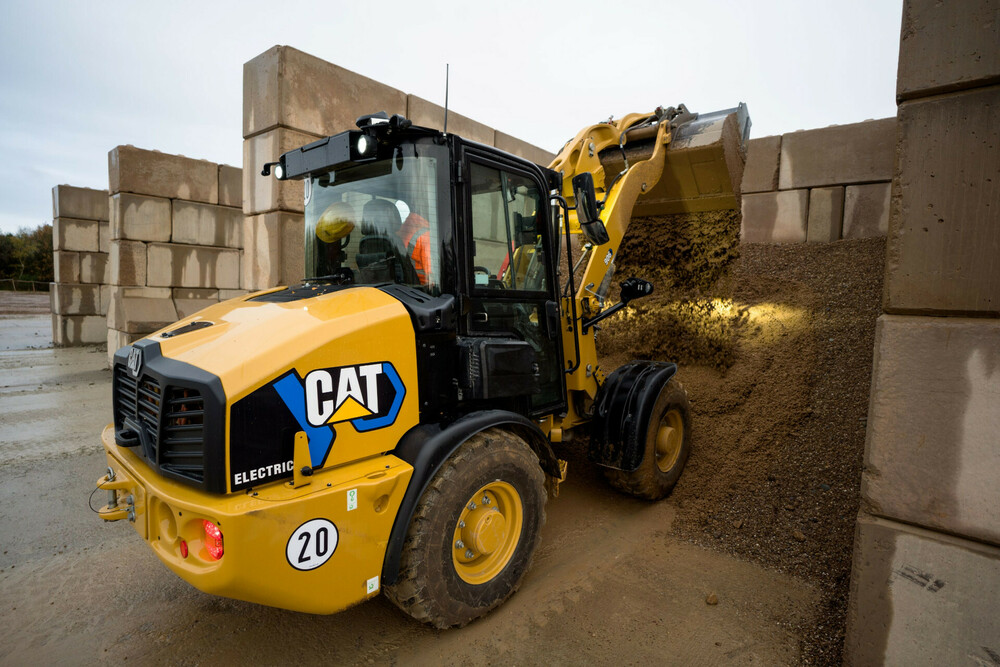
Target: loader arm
<point x="667" y="162"/>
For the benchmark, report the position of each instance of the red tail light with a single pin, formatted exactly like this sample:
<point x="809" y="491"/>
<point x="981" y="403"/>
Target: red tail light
<point x="184" y="549"/>
<point x="213" y="540"/>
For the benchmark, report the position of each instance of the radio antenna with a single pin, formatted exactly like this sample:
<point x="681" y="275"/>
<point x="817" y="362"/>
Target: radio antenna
<point x="446" y="72"/>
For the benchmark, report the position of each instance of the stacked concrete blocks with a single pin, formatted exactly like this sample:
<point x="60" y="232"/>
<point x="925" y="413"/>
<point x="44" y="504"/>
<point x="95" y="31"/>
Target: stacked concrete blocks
<point x="819" y="185"/>
<point x="80" y="243"/>
<point x="926" y="573"/>
<point x="290" y="99"/>
<point x="176" y="239"/>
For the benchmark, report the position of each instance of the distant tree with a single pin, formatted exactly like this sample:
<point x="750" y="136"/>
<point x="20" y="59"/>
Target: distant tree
<point x="27" y="255"/>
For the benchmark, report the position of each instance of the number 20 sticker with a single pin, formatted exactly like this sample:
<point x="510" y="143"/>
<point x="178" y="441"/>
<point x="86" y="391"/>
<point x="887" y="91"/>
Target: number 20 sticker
<point x="311" y="544"/>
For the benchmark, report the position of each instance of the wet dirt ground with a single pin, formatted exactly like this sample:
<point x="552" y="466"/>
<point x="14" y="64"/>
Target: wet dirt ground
<point x="611" y="582"/>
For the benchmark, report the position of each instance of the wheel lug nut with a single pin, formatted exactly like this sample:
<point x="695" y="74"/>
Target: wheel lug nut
<point x="472" y="506"/>
<point x="486" y="500"/>
<point x="468" y="553"/>
<point x="461" y="524"/>
<point x="460" y="544"/>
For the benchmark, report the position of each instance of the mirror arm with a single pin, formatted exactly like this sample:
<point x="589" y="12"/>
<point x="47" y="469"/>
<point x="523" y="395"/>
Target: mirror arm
<point x="604" y="313"/>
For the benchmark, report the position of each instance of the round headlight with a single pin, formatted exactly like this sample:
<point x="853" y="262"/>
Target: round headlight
<point x="363" y="144"/>
<point x="279" y="172"/>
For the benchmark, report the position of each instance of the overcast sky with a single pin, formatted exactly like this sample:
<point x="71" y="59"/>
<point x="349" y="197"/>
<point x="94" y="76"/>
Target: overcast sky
<point x="78" y="78"/>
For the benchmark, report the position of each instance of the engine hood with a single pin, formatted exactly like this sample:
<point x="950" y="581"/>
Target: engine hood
<point x="251" y="342"/>
<point x="340" y="367"/>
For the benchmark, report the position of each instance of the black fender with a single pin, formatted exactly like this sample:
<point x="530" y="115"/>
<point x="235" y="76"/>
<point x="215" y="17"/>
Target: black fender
<point x="623" y="403"/>
<point x="426" y="447"/>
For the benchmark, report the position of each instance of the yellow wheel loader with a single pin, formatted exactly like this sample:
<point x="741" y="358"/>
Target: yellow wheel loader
<point x="388" y="424"/>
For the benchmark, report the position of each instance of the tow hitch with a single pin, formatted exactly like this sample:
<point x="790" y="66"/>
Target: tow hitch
<point x="113" y="511"/>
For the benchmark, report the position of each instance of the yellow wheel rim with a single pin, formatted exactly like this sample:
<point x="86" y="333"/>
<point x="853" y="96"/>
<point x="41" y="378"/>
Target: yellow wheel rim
<point x="669" y="436"/>
<point x="487" y="532"/>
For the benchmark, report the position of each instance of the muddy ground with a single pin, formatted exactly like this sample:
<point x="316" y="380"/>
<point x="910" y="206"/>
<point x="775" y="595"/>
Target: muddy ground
<point x="778" y="368"/>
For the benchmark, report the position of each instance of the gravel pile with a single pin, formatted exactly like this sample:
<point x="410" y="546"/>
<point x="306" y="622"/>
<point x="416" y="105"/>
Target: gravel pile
<point x="777" y="361"/>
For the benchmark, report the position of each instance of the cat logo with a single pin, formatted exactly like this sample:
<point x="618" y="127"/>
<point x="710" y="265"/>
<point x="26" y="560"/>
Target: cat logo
<point x="367" y="396"/>
<point x="134" y="361"/>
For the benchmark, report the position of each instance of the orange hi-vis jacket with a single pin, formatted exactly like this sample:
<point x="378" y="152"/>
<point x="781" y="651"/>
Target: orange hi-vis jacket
<point x="416" y="236"/>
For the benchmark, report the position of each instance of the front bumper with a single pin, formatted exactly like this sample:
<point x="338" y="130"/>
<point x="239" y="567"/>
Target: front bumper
<point x="360" y="499"/>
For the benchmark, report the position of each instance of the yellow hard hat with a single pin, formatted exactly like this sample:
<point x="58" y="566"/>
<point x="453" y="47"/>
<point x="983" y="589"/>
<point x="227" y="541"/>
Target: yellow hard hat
<point x="336" y="222"/>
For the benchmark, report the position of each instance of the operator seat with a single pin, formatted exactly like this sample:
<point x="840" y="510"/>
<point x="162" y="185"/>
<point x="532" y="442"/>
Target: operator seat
<point x="379" y="258"/>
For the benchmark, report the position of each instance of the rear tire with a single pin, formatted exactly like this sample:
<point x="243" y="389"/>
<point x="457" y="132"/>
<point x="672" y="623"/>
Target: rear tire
<point x="464" y="557"/>
<point x="665" y="450"/>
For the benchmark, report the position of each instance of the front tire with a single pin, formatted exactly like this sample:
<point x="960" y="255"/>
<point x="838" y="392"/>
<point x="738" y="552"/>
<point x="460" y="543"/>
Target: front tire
<point x="666" y="446"/>
<point x="474" y="532"/>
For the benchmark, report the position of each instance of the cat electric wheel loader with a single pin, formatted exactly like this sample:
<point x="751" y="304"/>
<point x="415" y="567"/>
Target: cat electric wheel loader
<point x="388" y="424"/>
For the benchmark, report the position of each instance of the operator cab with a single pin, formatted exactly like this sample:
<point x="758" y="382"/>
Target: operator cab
<point x="462" y="235"/>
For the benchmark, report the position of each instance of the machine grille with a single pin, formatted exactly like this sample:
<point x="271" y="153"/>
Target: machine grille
<point x="172" y="420"/>
<point x="184" y="434"/>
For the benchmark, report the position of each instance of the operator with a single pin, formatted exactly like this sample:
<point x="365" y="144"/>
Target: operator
<point x="334" y="233"/>
<point x="415" y="233"/>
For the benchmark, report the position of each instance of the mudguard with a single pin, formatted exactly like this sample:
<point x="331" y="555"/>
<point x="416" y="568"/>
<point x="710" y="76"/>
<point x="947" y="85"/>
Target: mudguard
<point x="622" y="407"/>
<point x="427" y="446"/>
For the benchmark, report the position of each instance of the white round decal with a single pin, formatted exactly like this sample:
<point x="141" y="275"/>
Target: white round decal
<point x="311" y="544"/>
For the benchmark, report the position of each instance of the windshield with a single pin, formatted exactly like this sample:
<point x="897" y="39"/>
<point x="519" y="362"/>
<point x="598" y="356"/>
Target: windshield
<point x="379" y="222"/>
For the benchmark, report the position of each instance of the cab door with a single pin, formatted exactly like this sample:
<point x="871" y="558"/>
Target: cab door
<point x="512" y="286"/>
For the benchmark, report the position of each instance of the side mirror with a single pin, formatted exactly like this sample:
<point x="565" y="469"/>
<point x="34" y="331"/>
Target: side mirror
<point x="635" y="288"/>
<point x="586" y="209"/>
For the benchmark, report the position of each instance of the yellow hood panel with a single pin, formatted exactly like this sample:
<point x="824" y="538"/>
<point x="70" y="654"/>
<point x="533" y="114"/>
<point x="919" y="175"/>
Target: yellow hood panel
<point x="251" y="342"/>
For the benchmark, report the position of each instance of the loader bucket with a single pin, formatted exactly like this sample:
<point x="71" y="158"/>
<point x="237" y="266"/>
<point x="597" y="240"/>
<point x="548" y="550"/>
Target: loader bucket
<point x="703" y="168"/>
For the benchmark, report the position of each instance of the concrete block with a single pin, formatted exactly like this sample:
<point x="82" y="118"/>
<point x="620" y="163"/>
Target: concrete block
<point x="775" y="217"/>
<point x="428" y="114"/>
<point x="866" y="210"/>
<point x="118" y="340"/>
<point x="105" y="298"/>
<point x="140" y="218"/>
<point x="826" y="214"/>
<point x="946" y="46"/>
<point x="80" y="203"/>
<point x="515" y="146"/>
<point x="944" y="240"/>
<point x="293" y="252"/>
<point x="189" y="301"/>
<point x="266" y="193"/>
<point x="284" y="86"/>
<point x="69" y="330"/>
<point x="141" y="310"/>
<point x="921" y="598"/>
<point x="262" y="257"/>
<point x="176" y="265"/>
<point x="75" y="234"/>
<point x="856" y="153"/>
<point x="227" y="294"/>
<point x="206" y="224"/>
<point x="157" y="174"/>
<point x="66" y="266"/>
<point x="230" y="186"/>
<point x="761" y="171"/>
<point x="69" y="299"/>
<point x="104" y="234"/>
<point x="94" y="268"/>
<point x="127" y="260"/>
<point x="932" y="456"/>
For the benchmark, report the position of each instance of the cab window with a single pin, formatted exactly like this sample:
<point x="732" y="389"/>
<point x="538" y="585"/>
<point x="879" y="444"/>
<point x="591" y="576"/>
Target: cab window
<point x="508" y="253"/>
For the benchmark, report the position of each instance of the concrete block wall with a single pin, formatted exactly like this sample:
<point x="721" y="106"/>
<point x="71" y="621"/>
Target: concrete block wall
<point x="291" y="98"/>
<point x="176" y="240"/>
<point x="80" y="244"/>
<point x="820" y="185"/>
<point x="926" y="575"/>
